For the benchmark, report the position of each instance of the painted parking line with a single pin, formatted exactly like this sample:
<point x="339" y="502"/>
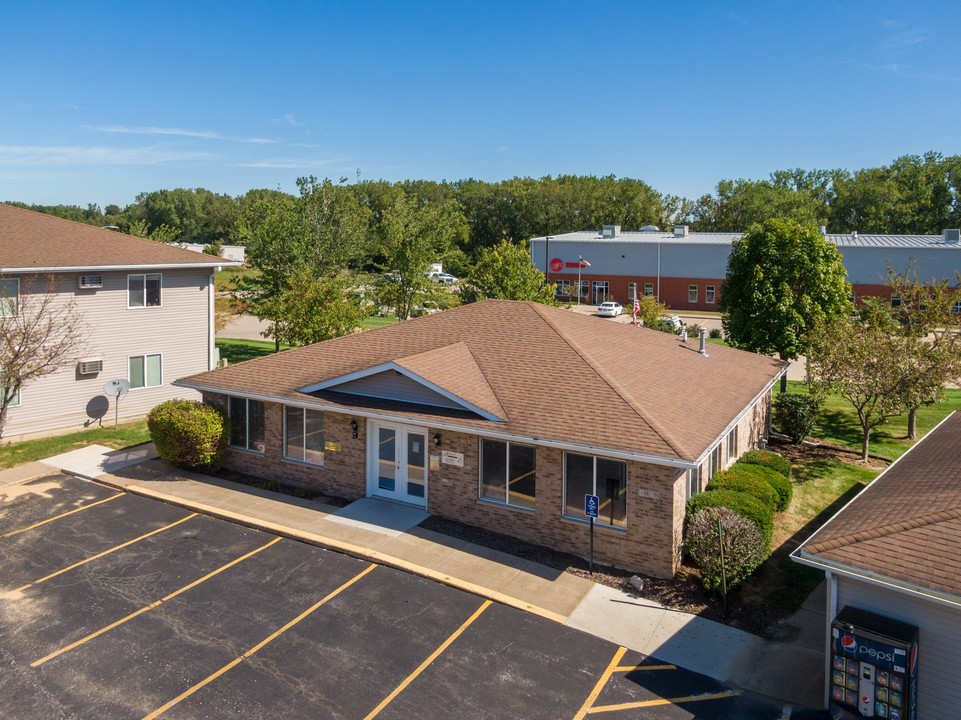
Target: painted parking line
<point x="101" y="554"/>
<point x="151" y="606"/>
<point x="61" y="515"/>
<point x="263" y="643"/>
<point x="589" y="708"/>
<point x="430" y="658"/>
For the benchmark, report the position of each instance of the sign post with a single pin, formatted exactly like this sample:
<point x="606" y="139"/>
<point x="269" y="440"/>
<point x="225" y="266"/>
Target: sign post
<point x="591" y="505"/>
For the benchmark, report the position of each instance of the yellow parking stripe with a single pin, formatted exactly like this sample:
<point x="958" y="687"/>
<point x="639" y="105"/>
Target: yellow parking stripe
<point x="601" y="682"/>
<point x="61" y="515"/>
<point x="270" y="638"/>
<point x="151" y="606"/>
<point x="662" y="701"/>
<point x="105" y="552"/>
<point x="430" y="658"/>
<point x="632" y="668"/>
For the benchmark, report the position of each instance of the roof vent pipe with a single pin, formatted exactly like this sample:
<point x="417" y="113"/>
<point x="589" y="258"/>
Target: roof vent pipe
<point x="854" y="234"/>
<point x="702" y="332"/>
<point x="823" y="229"/>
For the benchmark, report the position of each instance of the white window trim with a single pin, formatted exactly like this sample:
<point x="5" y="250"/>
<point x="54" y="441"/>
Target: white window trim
<point x="145" y="356"/>
<point x="648" y="289"/>
<point x="301" y="460"/>
<point x="507" y="490"/>
<point x="145" y="306"/>
<point x="710" y="294"/>
<point x="16" y="298"/>
<point x="696" y="291"/>
<point x="574" y="518"/>
<point x="17" y="399"/>
<point x="246" y="447"/>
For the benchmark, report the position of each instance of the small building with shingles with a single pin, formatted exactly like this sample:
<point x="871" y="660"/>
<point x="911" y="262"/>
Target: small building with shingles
<point x="504" y="415"/>
<point x="895" y="551"/>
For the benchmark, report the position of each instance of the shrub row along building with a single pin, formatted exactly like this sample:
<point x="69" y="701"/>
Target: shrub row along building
<point x="685" y="270"/>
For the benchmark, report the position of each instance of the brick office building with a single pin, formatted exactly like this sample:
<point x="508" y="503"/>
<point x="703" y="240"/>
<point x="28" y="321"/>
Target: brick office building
<point x="505" y="415"/>
<point x="685" y="270"/>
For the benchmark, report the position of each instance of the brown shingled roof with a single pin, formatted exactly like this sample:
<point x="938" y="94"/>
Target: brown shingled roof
<point x="906" y="525"/>
<point x="556" y="375"/>
<point x="33" y="240"/>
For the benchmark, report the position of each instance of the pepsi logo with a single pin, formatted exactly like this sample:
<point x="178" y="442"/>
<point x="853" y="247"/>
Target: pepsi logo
<point x="848" y="642"/>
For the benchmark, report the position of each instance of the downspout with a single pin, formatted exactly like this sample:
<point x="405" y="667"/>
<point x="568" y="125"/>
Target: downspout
<point x="211" y="327"/>
<point x="831" y="609"/>
<point x="659" y="272"/>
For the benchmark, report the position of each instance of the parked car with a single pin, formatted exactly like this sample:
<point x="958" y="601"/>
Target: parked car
<point x="609" y="309"/>
<point x="445" y="278"/>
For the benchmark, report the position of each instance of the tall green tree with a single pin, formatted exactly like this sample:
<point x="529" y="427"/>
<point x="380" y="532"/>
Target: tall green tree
<point x="506" y="272"/>
<point x="782" y="280"/>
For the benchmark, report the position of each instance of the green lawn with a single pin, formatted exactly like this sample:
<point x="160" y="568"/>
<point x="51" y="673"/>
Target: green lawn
<point x="376" y="321"/>
<point x="224" y="280"/>
<point x="132" y="433"/>
<point x="236" y="351"/>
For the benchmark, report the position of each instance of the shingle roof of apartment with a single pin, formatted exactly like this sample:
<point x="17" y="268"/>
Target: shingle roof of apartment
<point x="726" y="238"/>
<point x="905" y="527"/>
<point x="528" y="371"/>
<point x="33" y="241"/>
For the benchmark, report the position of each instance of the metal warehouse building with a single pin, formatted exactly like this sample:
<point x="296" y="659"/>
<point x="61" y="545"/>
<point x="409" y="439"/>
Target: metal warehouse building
<point x="685" y="270"/>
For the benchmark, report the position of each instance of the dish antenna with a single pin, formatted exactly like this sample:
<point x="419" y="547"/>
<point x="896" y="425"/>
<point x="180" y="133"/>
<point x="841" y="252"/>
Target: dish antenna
<point x="117" y="389"/>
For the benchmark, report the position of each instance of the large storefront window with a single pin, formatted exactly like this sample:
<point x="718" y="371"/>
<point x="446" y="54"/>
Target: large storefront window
<point x="606" y="478"/>
<point x="304" y="435"/>
<point x="246" y="424"/>
<point x="508" y="473"/>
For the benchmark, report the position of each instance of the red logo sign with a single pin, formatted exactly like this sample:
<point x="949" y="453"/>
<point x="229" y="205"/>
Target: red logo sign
<point x="848" y="642"/>
<point x="557" y="264"/>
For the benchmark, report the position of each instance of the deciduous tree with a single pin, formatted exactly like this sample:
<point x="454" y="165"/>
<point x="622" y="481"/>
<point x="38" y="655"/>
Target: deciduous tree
<point x="506" y="272"/>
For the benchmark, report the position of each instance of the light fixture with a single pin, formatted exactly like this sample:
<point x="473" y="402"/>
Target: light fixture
<point x="437" y="439"/>
<point x="353" y="427"/>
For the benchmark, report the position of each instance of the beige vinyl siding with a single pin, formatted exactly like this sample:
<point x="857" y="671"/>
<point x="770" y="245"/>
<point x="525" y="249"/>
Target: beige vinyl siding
<point x="177" y="330"/>
<point x="939" y="641"/>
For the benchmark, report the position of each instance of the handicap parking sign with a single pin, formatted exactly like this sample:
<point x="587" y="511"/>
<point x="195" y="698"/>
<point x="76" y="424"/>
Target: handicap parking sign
<point x="591" y="504"/>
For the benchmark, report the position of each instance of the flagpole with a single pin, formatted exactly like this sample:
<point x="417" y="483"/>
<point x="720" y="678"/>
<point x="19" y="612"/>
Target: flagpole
<point x="580" y="263"/>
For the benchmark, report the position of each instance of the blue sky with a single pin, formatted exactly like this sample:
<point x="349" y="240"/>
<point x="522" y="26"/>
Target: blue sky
<point x="104" y="100"/>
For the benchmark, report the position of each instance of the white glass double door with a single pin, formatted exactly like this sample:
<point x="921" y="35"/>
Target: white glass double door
<point x="397" y="462"/>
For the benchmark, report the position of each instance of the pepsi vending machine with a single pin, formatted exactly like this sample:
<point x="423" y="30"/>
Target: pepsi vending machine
<point x="874" y="667"/>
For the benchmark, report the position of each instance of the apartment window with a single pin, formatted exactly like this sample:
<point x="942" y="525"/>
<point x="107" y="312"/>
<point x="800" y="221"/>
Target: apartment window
<point x="632" y="291"/>
<point x="590" y="475"/>
<point x="15" y="400"/>
<point x="145" y="371"/>
<point x="508" y="473"/>
<point x="895" y="301"/>
<point x="732" y="444"/>
<point x="692" y="293"/>
<point x="693" y="481"/>
<point x="710" y="295"/>
<point x="9" y="297"/>
<point x="562" y="288"/>
<point x="304" y="435"/>
<point x="144" y="290"/>
<point x="583" y="288"/>
<point x="649" y="289"/>
<point x="246" y="424"/>
<point x="715" y="460"/>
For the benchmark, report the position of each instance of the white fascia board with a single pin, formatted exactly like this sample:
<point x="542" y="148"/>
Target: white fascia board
<point x="83" y="268"/>
<point x="447" y="425"/>
<point x="392" y="365"/>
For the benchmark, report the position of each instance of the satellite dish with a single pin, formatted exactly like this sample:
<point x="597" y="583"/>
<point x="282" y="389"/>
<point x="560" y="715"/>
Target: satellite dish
<point x="117" y="389"/>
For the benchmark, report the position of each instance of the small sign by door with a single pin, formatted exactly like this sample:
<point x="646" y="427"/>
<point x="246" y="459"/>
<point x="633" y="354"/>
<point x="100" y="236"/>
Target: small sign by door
<point x="451" y="458"/>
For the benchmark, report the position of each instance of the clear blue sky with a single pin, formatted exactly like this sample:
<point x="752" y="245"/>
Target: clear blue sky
<point x="104" y="100"/>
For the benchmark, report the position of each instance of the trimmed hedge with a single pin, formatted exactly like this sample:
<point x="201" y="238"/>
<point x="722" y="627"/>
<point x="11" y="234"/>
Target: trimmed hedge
<point x="747" y="479"/>
<point x="743" y="504"/>
<point x="189" y="434"/>
<point x="769" y="459"/>
<point x="783" y="487"/>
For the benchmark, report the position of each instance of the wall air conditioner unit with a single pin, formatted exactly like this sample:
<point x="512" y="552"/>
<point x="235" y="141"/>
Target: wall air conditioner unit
<point x="91" y="281"/>
<point x="90" y="367"/>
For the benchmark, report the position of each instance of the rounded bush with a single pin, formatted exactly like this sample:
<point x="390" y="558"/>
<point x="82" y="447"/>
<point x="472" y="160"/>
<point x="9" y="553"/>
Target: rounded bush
<point x="746" y="479"/>
<point x="743" y="546"/>
<point x="783" y="487"/>
<point x="795" y="415"/>
<point x="743" y="504"/>
<point x="188" y="433"/>
<point x="769" y="459"/>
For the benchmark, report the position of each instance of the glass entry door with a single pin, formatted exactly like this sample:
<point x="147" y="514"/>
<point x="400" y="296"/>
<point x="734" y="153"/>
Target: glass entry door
<point x="397" y="463"/>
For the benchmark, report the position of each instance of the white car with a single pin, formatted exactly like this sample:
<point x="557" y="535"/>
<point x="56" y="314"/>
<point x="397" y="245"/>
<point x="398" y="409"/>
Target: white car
<point x="445" y="278"/>
<point x="609" y="309"/>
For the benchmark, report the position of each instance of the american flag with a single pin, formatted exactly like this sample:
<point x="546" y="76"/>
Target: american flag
<point x="637" y="309"/>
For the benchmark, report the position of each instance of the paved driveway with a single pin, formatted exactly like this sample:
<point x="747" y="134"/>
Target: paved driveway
<point x="117" y="606"/>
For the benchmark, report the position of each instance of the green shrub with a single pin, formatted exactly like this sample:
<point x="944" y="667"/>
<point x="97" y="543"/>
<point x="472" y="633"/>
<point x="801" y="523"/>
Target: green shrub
<point x="747" y="479"/>
<point x="795" y="415"/>
<point x="715" y="333"/>
<point x="767" y="458"/>
<point x="188" y="433"/>
<point x="782" y="487"/>
<point x="743" y="504"/>
<point x="743" y="546"/>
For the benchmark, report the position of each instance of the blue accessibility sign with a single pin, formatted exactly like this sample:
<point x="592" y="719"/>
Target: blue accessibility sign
<point x="591" y="505"/>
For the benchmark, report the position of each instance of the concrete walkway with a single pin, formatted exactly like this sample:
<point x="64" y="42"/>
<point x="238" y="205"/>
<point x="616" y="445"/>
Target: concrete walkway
<point x="387" y="533"/>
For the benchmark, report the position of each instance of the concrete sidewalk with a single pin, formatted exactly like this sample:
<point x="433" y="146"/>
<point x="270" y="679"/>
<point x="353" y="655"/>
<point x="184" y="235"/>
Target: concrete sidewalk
<point x="387" y="533"/>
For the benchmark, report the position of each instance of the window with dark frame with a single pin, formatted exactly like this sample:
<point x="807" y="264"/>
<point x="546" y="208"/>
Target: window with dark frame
<point x="304" y="435"/>
<point x="649" y="289"/>
<point x="246" y="424"/>
<point x="591" y="475"/>
<point x="144" y="290"/>
<point x="508" y="473"/>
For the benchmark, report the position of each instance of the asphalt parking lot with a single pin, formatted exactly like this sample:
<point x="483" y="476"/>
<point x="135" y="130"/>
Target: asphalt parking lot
<point x="117" y="606"/>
